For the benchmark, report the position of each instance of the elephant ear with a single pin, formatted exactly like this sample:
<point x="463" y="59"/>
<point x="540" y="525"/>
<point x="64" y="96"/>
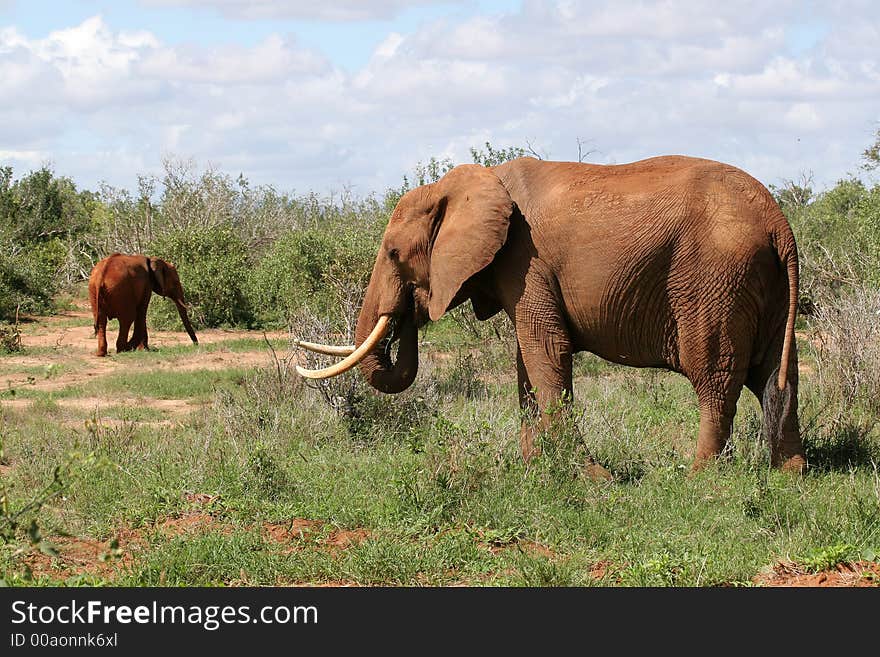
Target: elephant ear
<point x="473" y="226"/>
<point x="156" y="267"/>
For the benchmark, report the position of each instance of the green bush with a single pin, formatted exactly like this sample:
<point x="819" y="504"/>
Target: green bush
<point x="44" y="228"/>
<point x="213" y="265"/>
<point x="288" y="276"/>
<point x="29" y="278"/>
<point x="314" y="270"/>
<point x="838" y="235"/>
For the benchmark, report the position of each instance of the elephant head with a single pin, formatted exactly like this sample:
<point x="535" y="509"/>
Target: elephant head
<point x="166" y="282"/>
<point x="438" y="237"/>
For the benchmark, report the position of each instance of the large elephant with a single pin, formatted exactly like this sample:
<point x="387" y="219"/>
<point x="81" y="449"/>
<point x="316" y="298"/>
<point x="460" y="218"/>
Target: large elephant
<point x="120" y="287"/>
<point x="672" y="262"/>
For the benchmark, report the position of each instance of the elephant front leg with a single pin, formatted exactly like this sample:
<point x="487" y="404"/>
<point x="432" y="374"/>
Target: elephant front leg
<point x="545" y="393"/>
<point x="544" y="379"/>
<point x="544" y="403"/>
<point x="543" y="355"/>
<point x="528" y="405"/>
<point x="547" y="403"/>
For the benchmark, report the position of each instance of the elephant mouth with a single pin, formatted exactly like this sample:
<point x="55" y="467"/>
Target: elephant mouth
<point x="386" y="350"/>
<point x="386" y="338"/>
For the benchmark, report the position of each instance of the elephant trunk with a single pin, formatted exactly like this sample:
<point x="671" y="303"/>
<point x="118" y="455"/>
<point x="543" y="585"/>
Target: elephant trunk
<point x="377" y="367"/>
<point x="184" y="317"/>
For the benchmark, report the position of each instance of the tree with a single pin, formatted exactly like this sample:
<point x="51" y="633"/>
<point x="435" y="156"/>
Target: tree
<point x="871" y="155"/>
<point x="492" y="157"/>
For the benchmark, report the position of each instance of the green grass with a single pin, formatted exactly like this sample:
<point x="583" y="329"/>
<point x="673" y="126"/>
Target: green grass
<point x="158" y="384"/>
<point x="170" y="352"/>
<point x="37" y="372"/>
<point x="432" y="484"/>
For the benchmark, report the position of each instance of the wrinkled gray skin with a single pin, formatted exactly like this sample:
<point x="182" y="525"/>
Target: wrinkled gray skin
<point x="672" y="262"/>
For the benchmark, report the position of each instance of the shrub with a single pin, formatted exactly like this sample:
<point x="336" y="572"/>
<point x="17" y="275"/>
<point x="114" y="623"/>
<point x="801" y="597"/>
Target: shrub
<point x="29" y="277"/>
<point x="838" y="235"/>
<point x="314" y="270"/>
<point x="213" y="264"/>
<point x="288" y="277"/>
<point x="10" y="338"/>
<point x="44" y="225"/>
<point x="845" y="340"/>
<point x="367" y="414"/>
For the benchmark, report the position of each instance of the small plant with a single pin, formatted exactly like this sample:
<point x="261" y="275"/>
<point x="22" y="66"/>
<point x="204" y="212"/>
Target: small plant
<point x="659" y="570"/>
<point x="565" y="454"/>
<point x="264" y="474"/>
<point x="10" y="338"/>
<point x="497" y="537"/>
<point x="539" y="571"/>
<point x="463" y="378"/>
<point x="828" y="557"/>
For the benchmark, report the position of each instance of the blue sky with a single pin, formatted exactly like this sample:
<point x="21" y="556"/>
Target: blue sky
<point x="340" y="94"/>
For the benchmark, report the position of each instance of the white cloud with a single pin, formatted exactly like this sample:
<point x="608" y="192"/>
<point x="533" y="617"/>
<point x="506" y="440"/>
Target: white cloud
<point x="803" y="116"/>
<point x="270" y="61"/>
<point x="328" y="10"/>
<point x="632" y="81"/>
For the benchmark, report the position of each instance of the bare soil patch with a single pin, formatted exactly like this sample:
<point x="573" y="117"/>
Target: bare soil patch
<point x="73" y="330"/>
<point x="861" y="574"/>
<point x="107" y="559"/>
<point x="71" y="361"/>
<point x="81" y="556"/>
<point x="297" y="531"/>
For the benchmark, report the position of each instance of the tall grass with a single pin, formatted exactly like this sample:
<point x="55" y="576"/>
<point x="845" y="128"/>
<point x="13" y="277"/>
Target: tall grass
<point x="431" y="486"/>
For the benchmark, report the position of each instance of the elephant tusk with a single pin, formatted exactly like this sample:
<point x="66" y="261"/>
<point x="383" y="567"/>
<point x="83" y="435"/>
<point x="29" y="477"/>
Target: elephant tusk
<point x="355" y="357"/>
<point x="327" y="350"/>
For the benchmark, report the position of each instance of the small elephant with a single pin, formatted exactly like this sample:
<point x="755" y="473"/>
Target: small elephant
<point x="671" y="262"/>
<point x="120" y="287"/>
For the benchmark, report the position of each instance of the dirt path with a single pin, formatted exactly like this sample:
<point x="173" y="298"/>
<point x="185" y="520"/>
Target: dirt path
<point x="59" y="352"/>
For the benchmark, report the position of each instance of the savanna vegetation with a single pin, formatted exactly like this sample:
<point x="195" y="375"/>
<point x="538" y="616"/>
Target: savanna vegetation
<point x="260" y="478"/>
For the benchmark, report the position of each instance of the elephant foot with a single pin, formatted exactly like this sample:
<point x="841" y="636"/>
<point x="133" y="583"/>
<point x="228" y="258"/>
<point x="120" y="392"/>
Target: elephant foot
<point x="701" y="462"/>
<point x="595" y="472"/>
<point x="796" y="464"/>
<point x="527" y="445"/>
<point x="100" y="353"/>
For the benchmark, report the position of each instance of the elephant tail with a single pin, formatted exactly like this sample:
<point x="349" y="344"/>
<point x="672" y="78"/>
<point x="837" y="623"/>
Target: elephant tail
<point x="777" y="398"/>
<point x="785" y="247"/>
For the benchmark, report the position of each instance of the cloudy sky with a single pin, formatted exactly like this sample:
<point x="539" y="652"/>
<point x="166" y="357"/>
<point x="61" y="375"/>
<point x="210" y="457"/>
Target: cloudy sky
<point x="313" y="95"/>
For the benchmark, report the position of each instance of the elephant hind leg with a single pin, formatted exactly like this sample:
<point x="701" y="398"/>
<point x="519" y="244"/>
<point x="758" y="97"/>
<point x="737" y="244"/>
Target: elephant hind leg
<point x="122" y="339"/>
<point x="101" y="332"/>
<point x="718" y="393"/>
<point x="715" y="355"/>
<point x="139" y="333"/>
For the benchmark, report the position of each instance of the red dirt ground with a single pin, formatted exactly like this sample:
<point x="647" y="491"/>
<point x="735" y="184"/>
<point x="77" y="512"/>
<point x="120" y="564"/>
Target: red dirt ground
<point x="104" y="559"/>
<point x="862" y="573"/>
